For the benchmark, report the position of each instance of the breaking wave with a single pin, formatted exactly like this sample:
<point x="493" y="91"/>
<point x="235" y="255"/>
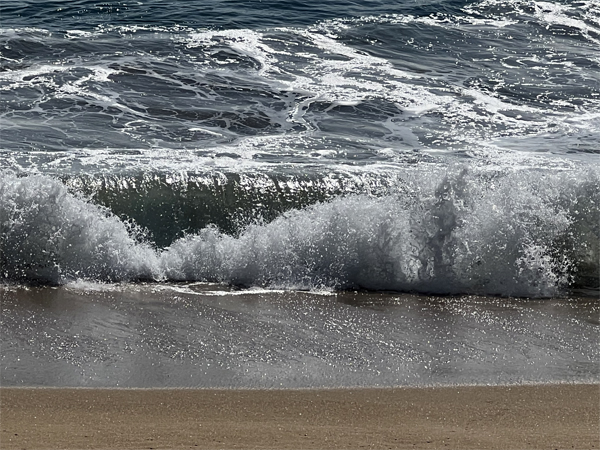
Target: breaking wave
<point x="461" y="230"/>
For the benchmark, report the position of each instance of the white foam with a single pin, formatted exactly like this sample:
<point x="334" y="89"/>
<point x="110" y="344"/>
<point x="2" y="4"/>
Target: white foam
<point x="307" y="74"/>
<point x="243" y="42"/>
<point x="466" y="230"/>
<point x="49" y="235"/>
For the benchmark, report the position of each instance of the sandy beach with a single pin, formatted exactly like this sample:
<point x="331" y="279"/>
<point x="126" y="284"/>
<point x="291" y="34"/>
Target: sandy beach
<point x="517" y="417"/>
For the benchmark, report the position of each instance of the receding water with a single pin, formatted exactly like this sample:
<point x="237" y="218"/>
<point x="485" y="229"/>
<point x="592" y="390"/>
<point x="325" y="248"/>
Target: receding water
<point x="206" y="336"/>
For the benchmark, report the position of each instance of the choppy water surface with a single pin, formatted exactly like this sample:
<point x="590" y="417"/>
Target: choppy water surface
<point x="445" y="147"/>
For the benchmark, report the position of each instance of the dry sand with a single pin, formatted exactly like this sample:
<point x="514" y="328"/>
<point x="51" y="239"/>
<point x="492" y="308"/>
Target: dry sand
<point x="521" y="417"/>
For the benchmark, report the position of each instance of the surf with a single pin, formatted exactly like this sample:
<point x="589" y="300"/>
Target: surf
<point x="462" y="230"/>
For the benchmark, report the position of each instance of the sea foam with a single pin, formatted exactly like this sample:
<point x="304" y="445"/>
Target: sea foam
<point x="518" y="233"/>
<point x="51" y="236"/>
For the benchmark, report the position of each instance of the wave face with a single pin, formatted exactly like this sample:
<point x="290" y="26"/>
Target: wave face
<point x="428" y="146"/>
<point x="517" y="233"/>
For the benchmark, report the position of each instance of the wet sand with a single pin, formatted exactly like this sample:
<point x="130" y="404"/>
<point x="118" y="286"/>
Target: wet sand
<point x="517" y="417"/>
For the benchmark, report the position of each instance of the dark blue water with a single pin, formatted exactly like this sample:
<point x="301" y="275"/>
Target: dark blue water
<point x="251" y="14"/>
<point x="428" y="146"/>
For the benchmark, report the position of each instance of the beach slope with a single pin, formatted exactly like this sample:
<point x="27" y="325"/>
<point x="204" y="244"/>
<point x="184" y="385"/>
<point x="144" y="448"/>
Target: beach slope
<point x="516" y="417"/>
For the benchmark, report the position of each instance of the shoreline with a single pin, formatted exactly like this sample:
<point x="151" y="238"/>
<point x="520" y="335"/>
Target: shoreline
<point x="465" y="417"/>
<point x="205" y="336"/>
<point x="342" y="388"/>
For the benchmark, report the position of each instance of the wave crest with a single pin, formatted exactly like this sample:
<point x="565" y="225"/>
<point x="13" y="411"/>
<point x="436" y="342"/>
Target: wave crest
<point x="464" y="230"/>
<point x="51" y="236"/>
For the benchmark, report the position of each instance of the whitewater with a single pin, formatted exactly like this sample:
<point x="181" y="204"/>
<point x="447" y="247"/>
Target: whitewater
<point x="465" y="234"/>
<point x="447" y="148"/>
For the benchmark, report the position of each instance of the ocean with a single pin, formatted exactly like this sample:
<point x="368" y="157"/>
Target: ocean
<point x="229" y="193"/>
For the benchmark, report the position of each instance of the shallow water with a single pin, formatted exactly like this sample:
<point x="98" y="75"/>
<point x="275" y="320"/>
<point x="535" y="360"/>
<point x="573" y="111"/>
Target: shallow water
<point x="202" y="335"/>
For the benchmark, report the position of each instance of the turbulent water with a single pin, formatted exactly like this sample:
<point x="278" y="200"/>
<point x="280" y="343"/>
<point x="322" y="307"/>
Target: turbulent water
<point x="424" y="146"/>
